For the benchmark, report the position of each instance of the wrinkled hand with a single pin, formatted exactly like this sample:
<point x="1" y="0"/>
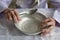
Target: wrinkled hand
<point x="11" y="15"/>
<point x="47" y="26"/>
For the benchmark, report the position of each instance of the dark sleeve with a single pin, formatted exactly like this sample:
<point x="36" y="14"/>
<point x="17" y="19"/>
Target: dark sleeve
<point x="57" y="24"/>
<point x="1" y="14"/>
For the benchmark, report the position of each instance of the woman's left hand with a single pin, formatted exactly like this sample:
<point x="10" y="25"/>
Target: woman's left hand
<point x="47" y="26"/>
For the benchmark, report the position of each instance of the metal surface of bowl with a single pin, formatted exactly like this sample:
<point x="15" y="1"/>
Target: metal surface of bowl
<point x="29" y="24"/>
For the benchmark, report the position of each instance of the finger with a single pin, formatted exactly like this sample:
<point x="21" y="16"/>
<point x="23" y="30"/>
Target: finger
<point x="9" y="16"/>
<point x="43" y="24"/>
<point x="16" y="13"/>
<point x="43" y="33"/>
<point x="47" y="20"/>
<point x="6" y="10"/>
<point x="43" y="30"/>
<point x="49" y="23"/>
<point x="52" y="20"/>
<point x="14" y="16"/>
<point x="47" y="31"/>
<point x="52" y="24"/>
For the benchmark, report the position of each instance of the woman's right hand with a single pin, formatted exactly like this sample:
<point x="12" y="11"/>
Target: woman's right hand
<point x="11" y="15"/>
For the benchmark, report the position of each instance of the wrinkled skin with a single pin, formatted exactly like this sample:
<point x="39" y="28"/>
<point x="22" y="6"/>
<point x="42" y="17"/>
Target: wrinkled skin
<point x="11" y="15"/>
<point x="47" y="22"/>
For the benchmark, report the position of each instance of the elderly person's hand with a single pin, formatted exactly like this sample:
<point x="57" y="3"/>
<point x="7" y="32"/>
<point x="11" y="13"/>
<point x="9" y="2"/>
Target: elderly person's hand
<point x="11" y="15"/>
<point x="47" y="26"/>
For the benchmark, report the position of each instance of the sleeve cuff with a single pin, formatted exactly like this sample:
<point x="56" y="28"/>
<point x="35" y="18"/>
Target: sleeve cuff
<point x="2" y="6"/>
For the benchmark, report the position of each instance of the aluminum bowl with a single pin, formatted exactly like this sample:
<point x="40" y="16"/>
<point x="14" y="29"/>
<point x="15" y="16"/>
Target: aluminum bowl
<point x="29" y="24"/>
